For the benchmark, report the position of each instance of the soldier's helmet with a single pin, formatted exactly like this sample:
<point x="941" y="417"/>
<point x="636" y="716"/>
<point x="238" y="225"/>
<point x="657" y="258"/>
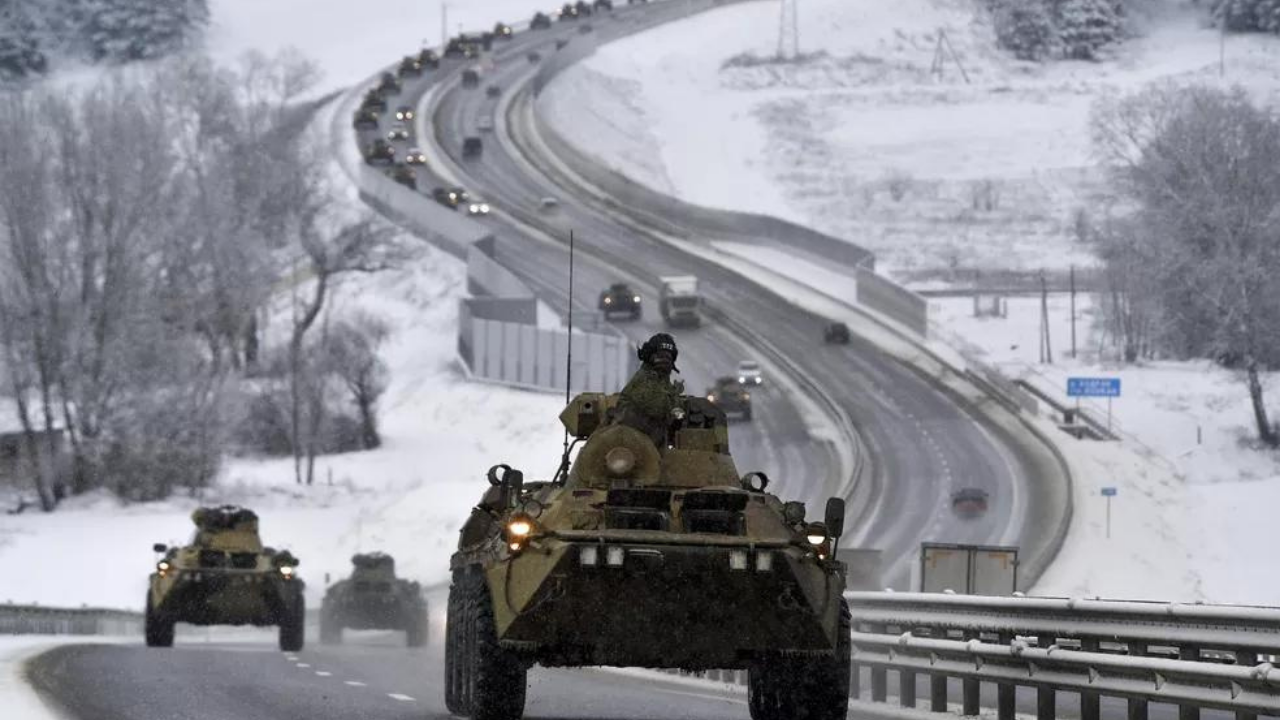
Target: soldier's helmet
<point x="661" y="341"/>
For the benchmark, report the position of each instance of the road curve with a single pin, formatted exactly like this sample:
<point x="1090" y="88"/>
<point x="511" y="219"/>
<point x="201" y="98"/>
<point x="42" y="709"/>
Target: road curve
<point x="924" y="442"/>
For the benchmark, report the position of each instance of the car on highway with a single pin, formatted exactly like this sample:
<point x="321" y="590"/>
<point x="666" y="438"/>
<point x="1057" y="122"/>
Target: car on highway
<point x="404" y="113"/>
<point x="429" y="58"/>
<point x="620" y="299"/>
<point x="225" y="576"/>
<point x="478" y="207"/>
<point x="398" y="133"/>
<point x="749" y="373"/>
<point x="472" y="147"/>
<point x="389" y="83"/>
<point x="603" y="4"/>
<point x="415" y="156"/>
<point x="493" y="91"/>
<point x="533" y="58"/>
<point x="373" y="598"/>
<point x="410" y="66"/>
<point x="731" y="397"/>
<point x="503" y="31"/>
<point x="835" y="333"/>
<point x="455" y="48"/>
<point x="379" y="152"/>
<point x="567" y="12"/>
<point x="484" y="123"/>
<point x="540" y="21"/>
<point x="969" y="503"/>
<point x="548" y="204"/>
<point x="406" y="176"/>
<point x="450" y="197"/>
<point x="365" y="119"/>
<point x="470" y="78"/>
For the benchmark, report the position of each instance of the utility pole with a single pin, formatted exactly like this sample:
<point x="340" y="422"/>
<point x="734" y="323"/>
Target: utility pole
<point x="1046" y="349"/>
<point x="1073" y="312"/>
<point x="788" y="31"/>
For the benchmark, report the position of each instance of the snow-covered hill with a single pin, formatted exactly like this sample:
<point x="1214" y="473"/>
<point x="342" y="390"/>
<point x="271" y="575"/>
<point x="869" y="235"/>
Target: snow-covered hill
<point x="831" y="140"/>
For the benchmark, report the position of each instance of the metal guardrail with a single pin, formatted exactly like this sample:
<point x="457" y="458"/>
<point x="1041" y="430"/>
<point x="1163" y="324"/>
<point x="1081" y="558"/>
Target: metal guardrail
<point x="42" y="620"/>
<point x="1198" y="657"/>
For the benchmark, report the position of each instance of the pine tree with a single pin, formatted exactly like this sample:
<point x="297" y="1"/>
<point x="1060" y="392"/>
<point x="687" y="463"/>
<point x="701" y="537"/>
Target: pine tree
<point x="1024" y="28"/>
<point x="1085" y="26"/>
<point x="1238" y="15"/>
<point x="21" y="53"/>
<point x="123" y="30"/>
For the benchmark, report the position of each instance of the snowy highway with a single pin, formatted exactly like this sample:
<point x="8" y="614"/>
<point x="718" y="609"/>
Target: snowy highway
<point x="922" y="444"/>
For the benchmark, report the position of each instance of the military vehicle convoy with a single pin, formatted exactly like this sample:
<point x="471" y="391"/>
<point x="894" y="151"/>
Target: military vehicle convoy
<point x="679" y="301"/>
<point x="373" y="598"/>
<point x="731" y="397"/>
<point x="650" y="555"/>
<point x="225" y="577"/>
<point x="620" y="299"/>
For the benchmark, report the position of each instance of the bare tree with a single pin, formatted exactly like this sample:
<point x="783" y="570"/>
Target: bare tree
<point x="1203" y="168"/>
<point x="353" y="346"/>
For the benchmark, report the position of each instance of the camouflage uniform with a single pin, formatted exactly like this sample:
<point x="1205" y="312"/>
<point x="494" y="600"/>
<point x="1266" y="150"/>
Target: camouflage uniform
<point x="646" y="403"/>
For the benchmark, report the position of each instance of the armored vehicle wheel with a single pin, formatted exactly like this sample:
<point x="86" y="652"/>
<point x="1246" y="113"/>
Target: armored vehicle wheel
<point x="292" y="625"/>
<point x="495" y="680"/>
<point x="454" y="696"/>
<point x="158" y="627"/>
<point x="782" y="688"/>
<point x="636" y="314"/>
<point x="415" y="631"/>
<point x="330" y="628"/>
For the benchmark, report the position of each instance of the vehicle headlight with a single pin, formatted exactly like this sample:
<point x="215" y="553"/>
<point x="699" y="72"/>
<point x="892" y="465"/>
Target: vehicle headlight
<point x="519" y="528"/>
<point x="608" y="301"/>
<point x="474" y="208"/>
<point x="742" y="379"/>
<point x="746" y="396"/>
<point x="711" y="397"/>
<point x="635" y="299"/>
<point x="484" y="207"/>
<point x="816" y="534"/>
<point x="287" y="571"/>
<point x="163" y="566"/>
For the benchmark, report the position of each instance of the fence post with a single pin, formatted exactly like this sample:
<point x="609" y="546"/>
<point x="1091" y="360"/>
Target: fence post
<point x="879" y="676"/>
<point x="1137" y="708"/>
<point x="1246" y="658"/>
<point x="1046" y="698"/>
<point x="906" y="688"/>
<point x="938" y="692"/>
<point x="1191" y="654"/>
<point x="1006" y="692"/>
<point x="1090" y="702"/>
<point x="970" y="697"/>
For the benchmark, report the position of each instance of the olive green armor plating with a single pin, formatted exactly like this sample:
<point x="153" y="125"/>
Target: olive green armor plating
<point x="225" y="577"/>
<point x="653" y="552"/>
<point x="373" y="598"/>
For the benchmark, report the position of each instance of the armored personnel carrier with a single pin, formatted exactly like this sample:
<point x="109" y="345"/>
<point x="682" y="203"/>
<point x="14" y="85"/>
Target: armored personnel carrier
<point x="225" y="577"/>
<point x="373" y="598"/>
<point x="648" y="554"/>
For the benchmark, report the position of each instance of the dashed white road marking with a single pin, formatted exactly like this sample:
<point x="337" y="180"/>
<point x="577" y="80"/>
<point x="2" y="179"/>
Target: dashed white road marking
<point x="291" y="658"/>
<point x="323" y="673"/>
<point x="355" y="683"/>
<point x="304" y="665"/>
<point x="401" y="698"/>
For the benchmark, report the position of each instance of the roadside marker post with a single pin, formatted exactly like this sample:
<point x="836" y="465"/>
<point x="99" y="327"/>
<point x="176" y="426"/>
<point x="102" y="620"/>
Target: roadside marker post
<point x="1108" y="493"/>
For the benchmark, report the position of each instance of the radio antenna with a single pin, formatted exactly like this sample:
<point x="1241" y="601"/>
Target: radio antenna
<point x="563" y="474"/>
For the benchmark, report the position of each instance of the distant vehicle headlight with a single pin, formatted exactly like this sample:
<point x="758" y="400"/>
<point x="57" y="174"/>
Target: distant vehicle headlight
<point x="742" y="379"/>
<point x="287" y="571"/>
<point x="711" y="397"/>
<point x="608" y="301"/>
<point x="635" y="299"/>
<point x="484" y="207"/>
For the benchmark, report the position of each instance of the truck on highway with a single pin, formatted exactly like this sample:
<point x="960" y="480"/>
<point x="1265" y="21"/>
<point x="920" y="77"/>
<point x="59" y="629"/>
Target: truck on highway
<point x="679" y="301"/>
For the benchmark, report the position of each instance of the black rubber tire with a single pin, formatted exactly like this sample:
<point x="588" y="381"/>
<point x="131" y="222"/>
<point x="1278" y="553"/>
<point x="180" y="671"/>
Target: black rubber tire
<point x="637" y="313"/>
<point x="330" y="628"/>
<point x="157" y="626"/>
<point x="415" y="632"/>
<point x="454" y="680"/>
<point x="780" y="688"/>
<point x="293" y="627"/>
<point x="497" y="679"/>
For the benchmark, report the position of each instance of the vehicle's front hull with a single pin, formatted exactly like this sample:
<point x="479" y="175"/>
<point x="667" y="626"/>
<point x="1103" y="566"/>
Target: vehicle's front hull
<point x="223" y="597"/>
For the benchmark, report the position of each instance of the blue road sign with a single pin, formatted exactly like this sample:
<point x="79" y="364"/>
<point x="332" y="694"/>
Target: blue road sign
<point x="1093" y="387"/>
<point x="1108" y="492"/>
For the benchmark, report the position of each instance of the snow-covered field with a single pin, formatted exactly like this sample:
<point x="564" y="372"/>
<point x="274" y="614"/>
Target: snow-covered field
<point x="409" y="497"/>
<point x="832" y="140"/>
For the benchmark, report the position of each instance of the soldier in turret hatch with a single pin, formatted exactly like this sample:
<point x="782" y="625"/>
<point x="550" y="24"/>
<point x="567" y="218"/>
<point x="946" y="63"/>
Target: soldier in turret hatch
<point x="649" y="397"/>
